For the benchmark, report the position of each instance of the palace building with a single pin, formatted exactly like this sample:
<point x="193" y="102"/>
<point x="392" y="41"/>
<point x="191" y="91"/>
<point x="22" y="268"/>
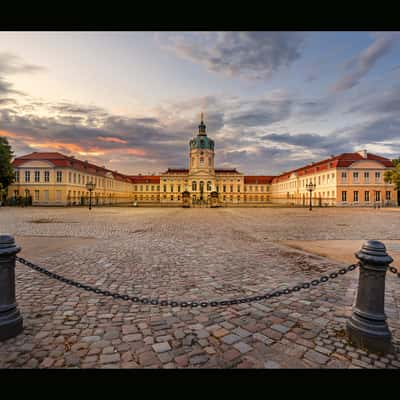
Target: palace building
<point x="346" y="179"/>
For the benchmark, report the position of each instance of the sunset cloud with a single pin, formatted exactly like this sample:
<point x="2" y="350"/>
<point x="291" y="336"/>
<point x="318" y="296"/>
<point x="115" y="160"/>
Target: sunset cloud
<point x="137" y="109"/>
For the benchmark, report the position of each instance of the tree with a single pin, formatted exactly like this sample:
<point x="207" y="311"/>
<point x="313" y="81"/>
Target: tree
<point x="393" y="175"/>
<point x="6" y="169"/>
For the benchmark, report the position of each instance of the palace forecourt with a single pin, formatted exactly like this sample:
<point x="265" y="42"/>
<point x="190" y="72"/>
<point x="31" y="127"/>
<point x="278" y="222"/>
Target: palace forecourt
<point x="193" y="255"/>
<point x="348" y="179"/>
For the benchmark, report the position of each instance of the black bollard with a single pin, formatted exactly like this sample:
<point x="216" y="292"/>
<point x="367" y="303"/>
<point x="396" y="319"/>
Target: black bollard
<point x="367" y="327"/>
<point x="10" y="318"/>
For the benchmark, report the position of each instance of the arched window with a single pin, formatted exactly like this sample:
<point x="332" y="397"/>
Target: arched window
<point x="209" y="186"/>
<point x="194" y="186"/>
<point x="201" y="186"/>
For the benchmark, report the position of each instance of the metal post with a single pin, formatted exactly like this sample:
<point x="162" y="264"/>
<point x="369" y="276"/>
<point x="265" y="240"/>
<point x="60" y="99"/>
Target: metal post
<point x="367" y="327"/>
<point x="10" y="318"/>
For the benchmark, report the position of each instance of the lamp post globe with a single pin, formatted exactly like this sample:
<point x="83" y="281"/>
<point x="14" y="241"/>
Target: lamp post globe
<point x="90" y="186"/>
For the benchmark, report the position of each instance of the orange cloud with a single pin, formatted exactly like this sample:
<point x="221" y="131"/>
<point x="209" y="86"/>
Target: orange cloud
<point x="136" y="152"/>
<point x="111" y="139"/>
<point x="8" y="134"/>
<point x="73" y="148"/>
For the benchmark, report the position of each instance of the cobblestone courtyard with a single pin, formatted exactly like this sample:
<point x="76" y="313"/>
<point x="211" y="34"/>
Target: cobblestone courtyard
<point x="190" y="254"/>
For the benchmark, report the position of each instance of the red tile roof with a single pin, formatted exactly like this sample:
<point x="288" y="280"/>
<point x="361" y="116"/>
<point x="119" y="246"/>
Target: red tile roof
<point x="257" y="179"/>
<point x="226" y="170"/>
<point x="339" y="161"/>
<point x="144" y="179"/>
<point x="176" y="171"/>
<point x="61" y="160"/>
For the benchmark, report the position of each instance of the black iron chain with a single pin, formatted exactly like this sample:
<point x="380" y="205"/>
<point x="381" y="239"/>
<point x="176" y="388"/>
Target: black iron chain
<point x="192" y="304"/>
<point x="394" y="270"/>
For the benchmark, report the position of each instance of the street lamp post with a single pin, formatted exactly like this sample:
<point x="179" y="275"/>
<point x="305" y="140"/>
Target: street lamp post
<point x="311" y="187"/>
<point x="90" y="186"/>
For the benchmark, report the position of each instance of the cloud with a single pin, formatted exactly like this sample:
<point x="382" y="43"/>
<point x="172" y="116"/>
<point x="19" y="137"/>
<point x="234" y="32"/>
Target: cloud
<point x="360" y="65"/>
<point x="385" y="102"/>
<point x="252" y="55"/>
<point x="13" y="64"/>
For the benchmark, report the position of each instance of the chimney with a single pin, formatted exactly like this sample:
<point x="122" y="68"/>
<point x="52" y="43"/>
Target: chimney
<point x="363" y="153"/>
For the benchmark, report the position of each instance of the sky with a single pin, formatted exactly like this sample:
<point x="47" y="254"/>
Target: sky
<point x="131" y="101"/>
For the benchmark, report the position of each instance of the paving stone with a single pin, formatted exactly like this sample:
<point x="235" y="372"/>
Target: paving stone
<point x="161" y="347"/>
<point x="242" y="332"/>
<point x="316" y="357"/>
<point x="132" y="337"/>
<point x="242" y="347"/>
<point x="280" y="328"/>
<point x="272" y="364"/>
<point x="109" y="358"/>
<point x="262" y="338"/>
<point x="230" y="339"/>
<point x="201" y="359"/>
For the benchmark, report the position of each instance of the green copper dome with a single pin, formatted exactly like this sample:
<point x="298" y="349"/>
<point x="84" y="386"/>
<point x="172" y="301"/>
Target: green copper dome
<point x="201" y="141"/>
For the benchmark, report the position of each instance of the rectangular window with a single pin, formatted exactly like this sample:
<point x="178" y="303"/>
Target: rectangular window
<point x="344" y="176"/>
<point x="36" y="195"/>
<point x="58" y="195"/>
<point x="377" y="176"/>
<point x="37" y="176"/>
<point x="165" y="188"/>
<point x="147" y="188"/>
<point x="224" y="188"/>
<point x="74" y="177"/>
<point x="366" y="176"/>
<point x="79" y="179"/>
<point x="141" y="188"/>
<point x="319" y="180"/>
<point x="355" y="196"/>
<point x="152" y="188"/>
<point x="355" y="176"/>
<point x="179" y="189"/>
<point x="135" y="188"/>
<point x="377" y="196"/>
<point x="16" y="176"/>
<point x="59" y="176"/>
<point x="46" y="176"/>
<point x="344" y="196"/>
<point x="366" y="196"/>
<point x="238" y="188"/>
<point x="27" y="176"/>
<point x="231" y="188"/>
<point x="388" y="195"/>
<point x="69" y="177"/>
<point x="172" y="188"/>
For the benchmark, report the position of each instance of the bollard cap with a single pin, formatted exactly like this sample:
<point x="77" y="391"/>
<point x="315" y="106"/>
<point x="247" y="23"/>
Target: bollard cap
<point x="374" y="252"/>
<point x="7" y="245"/>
